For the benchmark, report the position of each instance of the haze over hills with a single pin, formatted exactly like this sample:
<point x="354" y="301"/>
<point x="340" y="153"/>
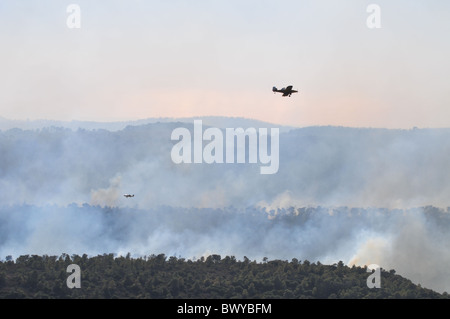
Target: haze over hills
<point x="215" y="121"/>
<point x="332" y="166"/>
<point x="62" y="192"/>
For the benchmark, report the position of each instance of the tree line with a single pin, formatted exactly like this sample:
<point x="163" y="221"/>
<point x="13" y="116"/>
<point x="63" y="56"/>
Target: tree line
<point x="161" y="277"/>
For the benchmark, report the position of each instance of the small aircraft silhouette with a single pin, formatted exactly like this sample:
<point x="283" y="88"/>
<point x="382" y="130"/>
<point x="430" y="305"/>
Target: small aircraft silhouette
<point x="128" y="195"/>
<point x="286" y="91"/>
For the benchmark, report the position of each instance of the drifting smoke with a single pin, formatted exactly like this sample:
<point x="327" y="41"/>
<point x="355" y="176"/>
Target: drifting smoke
<point x="48" y="176"/>
<point x="107" y="196"/>
<point x="328" y="166"/>
<point x="413" y="242"/>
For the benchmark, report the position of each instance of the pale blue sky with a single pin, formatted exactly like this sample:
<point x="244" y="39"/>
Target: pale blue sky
<point x="140" y="59"/>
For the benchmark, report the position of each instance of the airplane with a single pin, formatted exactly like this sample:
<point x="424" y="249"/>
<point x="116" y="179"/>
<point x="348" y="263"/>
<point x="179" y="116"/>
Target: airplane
<point x="128" y="195"/>
<point x="286" y="91"/>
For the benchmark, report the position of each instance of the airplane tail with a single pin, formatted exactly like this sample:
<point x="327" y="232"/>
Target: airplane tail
<point x="274" y="89"/>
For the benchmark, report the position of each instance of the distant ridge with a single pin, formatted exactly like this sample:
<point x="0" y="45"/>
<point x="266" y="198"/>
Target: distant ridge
<point x="216" y="121"/>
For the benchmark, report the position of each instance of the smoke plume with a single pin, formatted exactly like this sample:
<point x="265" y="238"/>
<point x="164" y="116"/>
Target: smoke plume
<point x="363" y="196"/>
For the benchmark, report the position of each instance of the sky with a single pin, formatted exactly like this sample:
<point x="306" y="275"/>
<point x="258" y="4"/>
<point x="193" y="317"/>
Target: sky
<point x="133" y="59"/>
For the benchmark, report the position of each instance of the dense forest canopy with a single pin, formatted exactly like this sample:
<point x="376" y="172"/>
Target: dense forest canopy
<point x="159" y="276"/>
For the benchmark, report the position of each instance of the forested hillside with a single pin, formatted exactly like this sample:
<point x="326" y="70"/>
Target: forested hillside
<point x="358" y="195"/>
<point x="157" y="276"/>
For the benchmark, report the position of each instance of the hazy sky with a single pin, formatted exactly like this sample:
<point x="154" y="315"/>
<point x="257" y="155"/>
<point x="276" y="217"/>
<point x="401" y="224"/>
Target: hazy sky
<point x="139" y="59"/>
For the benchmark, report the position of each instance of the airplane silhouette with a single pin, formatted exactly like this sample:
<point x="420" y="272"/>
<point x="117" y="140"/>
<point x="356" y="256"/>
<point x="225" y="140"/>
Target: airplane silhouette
<point x="128" y="195"/>
<point x="286" y="91"/>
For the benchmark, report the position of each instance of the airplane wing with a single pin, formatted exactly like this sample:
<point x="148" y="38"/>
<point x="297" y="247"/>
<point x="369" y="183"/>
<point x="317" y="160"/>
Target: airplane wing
<point x="286" y="93"/>
<point x="289" y="88"/>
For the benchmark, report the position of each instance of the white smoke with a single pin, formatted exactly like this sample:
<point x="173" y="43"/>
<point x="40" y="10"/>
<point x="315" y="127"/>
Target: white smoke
<point x="107" y="196"/>
<point x="301" y="212"/>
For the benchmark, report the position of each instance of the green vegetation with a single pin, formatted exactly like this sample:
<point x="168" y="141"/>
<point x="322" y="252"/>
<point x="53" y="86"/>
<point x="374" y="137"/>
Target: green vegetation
<point x="158" y="276"/>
